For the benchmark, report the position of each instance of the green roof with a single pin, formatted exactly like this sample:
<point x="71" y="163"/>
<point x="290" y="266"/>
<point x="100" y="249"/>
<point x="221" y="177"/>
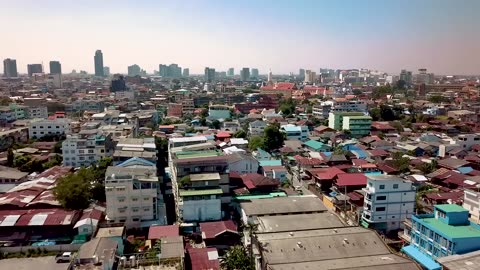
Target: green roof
<point x="198" y="154"/>
<point x="262" y="196"/>
<point x="348" y="113"/>
<point x="201" y="192"/>
<point x="450" y="208"/>
<point x="450" y="231"/>
<point x="359" y="117"/>
<point x="271" y="162"/>
<point x="316" y="145"/>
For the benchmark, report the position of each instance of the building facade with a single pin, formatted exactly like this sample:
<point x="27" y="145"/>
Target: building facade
<point x="84" y="149"/>
<point x="98" y="60"/>
<point x="471" y="202"/>
<point x="358" y="126"/>
<point x="55" y="67"/>
<point x="389" y="200"/>
<point x="10" y="68"/>
<point x="44" y="127"/>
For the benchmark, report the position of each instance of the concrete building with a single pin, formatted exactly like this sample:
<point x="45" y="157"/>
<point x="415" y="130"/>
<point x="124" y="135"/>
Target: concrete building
<point x="85" y="148"/>
<point x="335" y="119"/>
<point x="471" y="202"/>
<point x="257" y="128"/>
<point x="98" y="60"/>
<point x="10" y="68"/>
<point x="466" y="141"/>
<point x="245" y="74"/>
<point x="34" y="68"/>
<point x="217" y="112"/>
<point x="294" y="132"/>
<point x="406" y="76"/>
<point x="343" y="105"/>
<point x="43" y="127"/>
<point x="128" y="148"/>
<point x="134" y="70"/>
<point x="389" y="200"/>
<point x="359" y="126"/>
<point x="133" y="196"/>
<point x="209" y="75"/>
<point x="186" y="72"/>
<point x="106" y="71"/>
<point x="255" y="74"/>
<point x="445" y="232"/>
<point x="55" y="67"/>
<point x="231" y="72"/>
<point x="310" y="76"/>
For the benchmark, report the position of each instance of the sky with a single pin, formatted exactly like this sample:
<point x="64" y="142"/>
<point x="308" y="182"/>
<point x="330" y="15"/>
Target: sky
<point x="282" y="35"/>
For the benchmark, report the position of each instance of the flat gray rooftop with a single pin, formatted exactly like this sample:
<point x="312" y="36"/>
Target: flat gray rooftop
<point x="300" y="222"/>
<point x="469" y="261"/>
<point x="283" y="205"/>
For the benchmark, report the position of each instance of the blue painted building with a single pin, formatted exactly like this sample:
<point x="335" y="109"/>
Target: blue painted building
<point x="447" y="231"/>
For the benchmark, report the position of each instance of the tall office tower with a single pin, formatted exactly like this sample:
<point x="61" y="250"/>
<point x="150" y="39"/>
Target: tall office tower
<point x="34" y="68"/>
<point x="55" y="67"/>
<point x="406" y="76"/>
<point x="245" y="74"/>
<point x="106" y="71"/>
<point x="270" y="77"/>
<point x="255" y="73"/>
<point x="310" y="76"/>
<point x="186" y="72"/>
<point x="10" y="68"/>
<point x="174" y="71"/>
<point x="163" y="70"/>
<point x="231" y="72"/>
<point x="209" y="74"/>
<point x="301" y="73"/>
<point x="99" y="63"/>
<point x="134" y="70"/>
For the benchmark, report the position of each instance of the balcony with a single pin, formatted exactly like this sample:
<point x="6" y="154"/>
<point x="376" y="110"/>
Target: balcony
<point x="404" y="236"/>
<point x="407" y="223"/>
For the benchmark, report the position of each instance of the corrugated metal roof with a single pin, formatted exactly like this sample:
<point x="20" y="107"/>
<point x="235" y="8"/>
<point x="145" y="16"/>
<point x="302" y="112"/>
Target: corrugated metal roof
<point x="38" y="219"/>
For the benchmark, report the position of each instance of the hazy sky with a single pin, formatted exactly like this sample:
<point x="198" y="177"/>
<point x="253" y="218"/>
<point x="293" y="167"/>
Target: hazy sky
<point x="442" y="36"/>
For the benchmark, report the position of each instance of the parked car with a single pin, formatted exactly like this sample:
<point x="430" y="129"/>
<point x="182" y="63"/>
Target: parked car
<point x="64" y="257"/>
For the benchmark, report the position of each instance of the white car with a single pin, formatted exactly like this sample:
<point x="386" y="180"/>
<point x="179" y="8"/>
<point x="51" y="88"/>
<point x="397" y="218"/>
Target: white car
<point x="64" y="257"/>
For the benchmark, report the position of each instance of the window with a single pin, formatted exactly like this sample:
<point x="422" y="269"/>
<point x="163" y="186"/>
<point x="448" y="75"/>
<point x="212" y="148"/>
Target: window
<point x="121" y="199"/>
<point x="381" y="187"/>
<point x="380" y="209"/>
<point x="381" y="198"/>
<point x="146" y="209"/>
<point x="57" y="126"/>
<point x="135" y="209"/>
<point x="49" y="126"/>
<point x="134" y="199"/>
<point x="393" y="216"/>
<point x="146" y="198"/>
<point x="395" y="186"/>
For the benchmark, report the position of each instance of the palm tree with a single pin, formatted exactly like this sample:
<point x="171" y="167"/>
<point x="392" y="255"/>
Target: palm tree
<point x="251" y="228"/>
<point x="237" y="258"/>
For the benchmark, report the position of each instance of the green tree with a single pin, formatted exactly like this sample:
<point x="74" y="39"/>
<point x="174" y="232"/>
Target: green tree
<point x="216" y="124"/>
<point x="287" y="106"/>
<point x="381" y="91"/>
<point x="10" y="157"/>
<point x="437" y="99"/>
<point x="401" y="84"/>
<point x="400" y="162"/>
<point x="240" y="134"/>
<point x="255" y="142"/>
<point x="58" y="147"/>
<point x="273" y="138"/>
<point x="74" y="190"/>
<point x="237" y="258"/>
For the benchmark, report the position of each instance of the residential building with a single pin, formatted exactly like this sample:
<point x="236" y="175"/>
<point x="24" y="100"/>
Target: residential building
<point x="254" y="73"/>
<point x="389" y="200"/>
<point x="106" y="71"/>
<point x="10" y="68"/>
<point x="321" y="110"/>
<point x="85" y="148"/>
<point x="209" y="75"/>
<point x="301" y="73"/>
<point x="34" y="68"/>
<point x="242" y="163"/>
<point x="471" y="202"/>
<point x="55" y="67"/>
<point x="335" y="119"/>
<point x="463" y="115"/>
<point x="21" y="111"/>
<point x="133" y="196"/>
<point x="245" y="74"/>
<point x="7" y="115"/>
<point x="175" y="109"/>
<point x="217" y="112"/>
<point x="186" y="72"/>
<point x="466" y="141"/>
<point x="127" y="148"/>
<point x="310" y="76"/>
<point x="447" y="231"/>
<point x="231" y="72"/>
<point x="98" y="59"/>
<point x="294" y="132"/>
<point x="358" y="126"/>
<point x="257" y="128"/>
<point x="348" y="105"/>
<point x="406" y="76"/>
<point x="134" y="70"/>
<point x="39" y="128"/>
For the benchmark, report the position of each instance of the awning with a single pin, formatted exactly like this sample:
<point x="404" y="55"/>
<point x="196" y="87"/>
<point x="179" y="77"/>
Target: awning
<point x="421" y="258"/>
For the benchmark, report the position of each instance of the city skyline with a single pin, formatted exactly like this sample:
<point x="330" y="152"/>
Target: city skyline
<point x="384" y="35"/>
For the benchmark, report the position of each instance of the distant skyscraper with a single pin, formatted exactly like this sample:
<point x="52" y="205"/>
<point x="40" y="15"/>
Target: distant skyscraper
<point x="106" y="71"/>
<point x="301" y="73"/>
<point x="174" y="71"/>
<point x="163" y="70"/>
<point x="245" y="74"/>
<point x="186" y="72"/>
<point x="134" y="70"/>
<point x="255" y="73"/>
<point x="231" y="72"/>
<point x="209" y="74"/>
<point x="34" y="68"/>
<point x="270" y="79"/>
<point x="406" y="76"/>
<point x="99" y="63"/>
<point x="310" y="76"/>
<point x="55" y="67"/>
<point x="10" y="68"/>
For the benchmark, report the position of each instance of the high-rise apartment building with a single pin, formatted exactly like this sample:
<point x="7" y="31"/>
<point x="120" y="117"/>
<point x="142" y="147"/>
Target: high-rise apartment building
<point x="245" y="74"/>
<point x="34" y="68"/>
<point x="254" y="73"/>
<point x="134" y="70"/>
<point x="231" y="72"/>
<point x="55" y="67"/>
<point x="171" y="71"/>
<point x="301" y="73"/>
<point x="209" y="74"/>
<point x="406" y="76"/>
<point x="106" y="71"/>
<point x="99" y="63"/>
<point x="310" y="76"/>
<point x="10" y="68"/>
<point x="186" y="72"/>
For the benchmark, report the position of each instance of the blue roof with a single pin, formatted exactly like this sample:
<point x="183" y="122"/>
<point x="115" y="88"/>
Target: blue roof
<point x="421" y="258"/>
<point x="316" y="145"/>
<point x="289" y="128"/>
<point x="359" y="154"/>
<point x="465" y="170"/>
<point x="272" y="162"/>
<point x="136" y="161"/>
<point x="327" y="153"/>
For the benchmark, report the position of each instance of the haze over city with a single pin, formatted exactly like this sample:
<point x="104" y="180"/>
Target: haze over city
<point x="278" y="35"/>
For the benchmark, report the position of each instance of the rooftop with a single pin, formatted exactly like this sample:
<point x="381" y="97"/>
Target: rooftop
<point x="469" y="261"/>
<point x="283" y="205"/>
<point x="200" y="192"/>
<point x="204" y="177"/>
<point x="300" y="222"/>
<point x="110" y="232"/>
<point x="452" y="231"/>
<point x="157" y="232"/>
<point x="450" y="208"/>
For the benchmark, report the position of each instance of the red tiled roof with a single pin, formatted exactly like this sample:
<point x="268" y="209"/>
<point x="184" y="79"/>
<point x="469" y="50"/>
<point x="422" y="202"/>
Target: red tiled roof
<point x="307" y="161"/>
<point x="351" y="179"/>
<point x="386" y="168"/>
<point x="157" y="232"/>
<point x="378" y="153"/>
<point x="41" y="217"/>
<point x="453" y="195"/>
<point x="358" y="162"/>
<point x="223" y="134"/>
<point x="326" y="173"/>
<point x="355" y="196"/>
<point x="199" y="258"/>
<point x="213" y="229"/>
<point x="253" y="180"/>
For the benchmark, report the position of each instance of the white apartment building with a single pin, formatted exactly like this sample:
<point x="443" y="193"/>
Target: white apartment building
<point x="389" y="200"/>
<point x="257" y="128"/>
<point x="43" y="127"/>
<point x="86" y="148"/>
<point x="466" y="141"/>
<point x="133" y="197"/>
<point x="343" y="105"/>
<point x="36" y="112"/>
<point x="471" y="202"/>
